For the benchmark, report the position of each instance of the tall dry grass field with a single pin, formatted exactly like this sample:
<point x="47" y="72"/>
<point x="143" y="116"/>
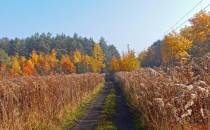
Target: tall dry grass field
<point x="171" y="99"/>
<point x="42" y="101"/>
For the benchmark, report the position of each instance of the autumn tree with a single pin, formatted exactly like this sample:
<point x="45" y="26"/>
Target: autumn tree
<point x="200" y="25"/>
<point x="34" y="57"/>
<point x="52" y="58"/>
<point x="115" y="64"/>
<point x="77" y="56"/>
<point x="21" y="60"/>
<point x="15" y="66"/>
<point x="43" y="67"/>
<point x="97" y="62"/>
<point x="78" y="62"/>
<point x="86" y="63"/>
<point x="98" y="53"/>
<point x="28" y="68"/>
<point x="174" y="48"/>
<point x="129" y="62"/>
<point x="67" y="65"/>
<point x="187" y="32"/>
<point x="48" y="62"/>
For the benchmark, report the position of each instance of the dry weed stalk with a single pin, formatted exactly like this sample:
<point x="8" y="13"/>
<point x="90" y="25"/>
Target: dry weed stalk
<point x="39" y="101"/>
<point x="176" y="98"/>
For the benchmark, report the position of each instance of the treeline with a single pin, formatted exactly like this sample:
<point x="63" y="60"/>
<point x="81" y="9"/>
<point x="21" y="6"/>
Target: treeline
<point x="49" y="63"/>
<point x="45" y="43"/>
<point x="179" y="47"/>
<point x="44" y="55"/>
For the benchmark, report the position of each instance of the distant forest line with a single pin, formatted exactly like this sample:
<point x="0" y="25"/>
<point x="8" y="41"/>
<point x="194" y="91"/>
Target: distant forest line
<point x="45" y="42"/>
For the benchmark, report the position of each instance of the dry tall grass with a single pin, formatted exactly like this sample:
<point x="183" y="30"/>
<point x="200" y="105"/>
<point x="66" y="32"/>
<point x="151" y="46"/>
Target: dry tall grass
<point x="36" y="102"/>
<point x="174" y="99"/>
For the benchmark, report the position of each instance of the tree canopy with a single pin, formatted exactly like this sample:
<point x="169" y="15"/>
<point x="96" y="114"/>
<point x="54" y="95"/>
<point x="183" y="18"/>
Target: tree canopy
<point x="45" y="42"/>
<point x="191" y="41"/>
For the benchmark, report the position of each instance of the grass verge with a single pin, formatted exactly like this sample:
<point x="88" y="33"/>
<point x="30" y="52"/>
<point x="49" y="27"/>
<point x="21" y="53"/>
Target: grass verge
<point x="74" y="115"/>
<point x="108" y="113"/>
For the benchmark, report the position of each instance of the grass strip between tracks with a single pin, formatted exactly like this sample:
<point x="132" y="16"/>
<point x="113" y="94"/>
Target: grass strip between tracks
<point x="109" y="110"/>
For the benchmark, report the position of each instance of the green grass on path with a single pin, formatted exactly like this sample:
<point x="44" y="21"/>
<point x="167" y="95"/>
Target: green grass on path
<point x="108" y="113"/>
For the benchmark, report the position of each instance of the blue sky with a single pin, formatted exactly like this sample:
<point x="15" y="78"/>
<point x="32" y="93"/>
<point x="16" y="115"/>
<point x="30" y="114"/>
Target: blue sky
<point x="121" y="22"/>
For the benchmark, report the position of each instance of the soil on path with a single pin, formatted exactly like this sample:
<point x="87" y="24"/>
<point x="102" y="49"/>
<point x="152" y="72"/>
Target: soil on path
<point x="123" y="118"/>
<point x="92" y="116"/>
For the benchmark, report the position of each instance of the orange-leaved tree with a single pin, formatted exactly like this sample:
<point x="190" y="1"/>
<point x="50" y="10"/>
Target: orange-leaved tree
<point x="28" y="68"/>
<point x="67" y="65"/>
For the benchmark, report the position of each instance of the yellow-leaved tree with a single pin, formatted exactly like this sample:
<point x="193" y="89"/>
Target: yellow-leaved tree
<point x="200" y="33"/>
<point x="44" y="65"/>
<point x="174" y="48"/>
<point x="129" y="62"/>
<point x="48" y="62"/>
<point x="52" y="59"/>
<point x="34" y="57"/>
<point x="15" y="66"/>
<point x="77" y="56"/>
<point x="97" y="61"/>
<point x="200" y="26"/>
<point x="87" y="62"/>
<point x="115" y="64"/>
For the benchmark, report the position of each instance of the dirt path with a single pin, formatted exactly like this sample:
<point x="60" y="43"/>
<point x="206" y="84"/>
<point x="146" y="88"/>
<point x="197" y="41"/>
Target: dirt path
<point x="90" y="119"/>
<point x="123" y="118"/>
